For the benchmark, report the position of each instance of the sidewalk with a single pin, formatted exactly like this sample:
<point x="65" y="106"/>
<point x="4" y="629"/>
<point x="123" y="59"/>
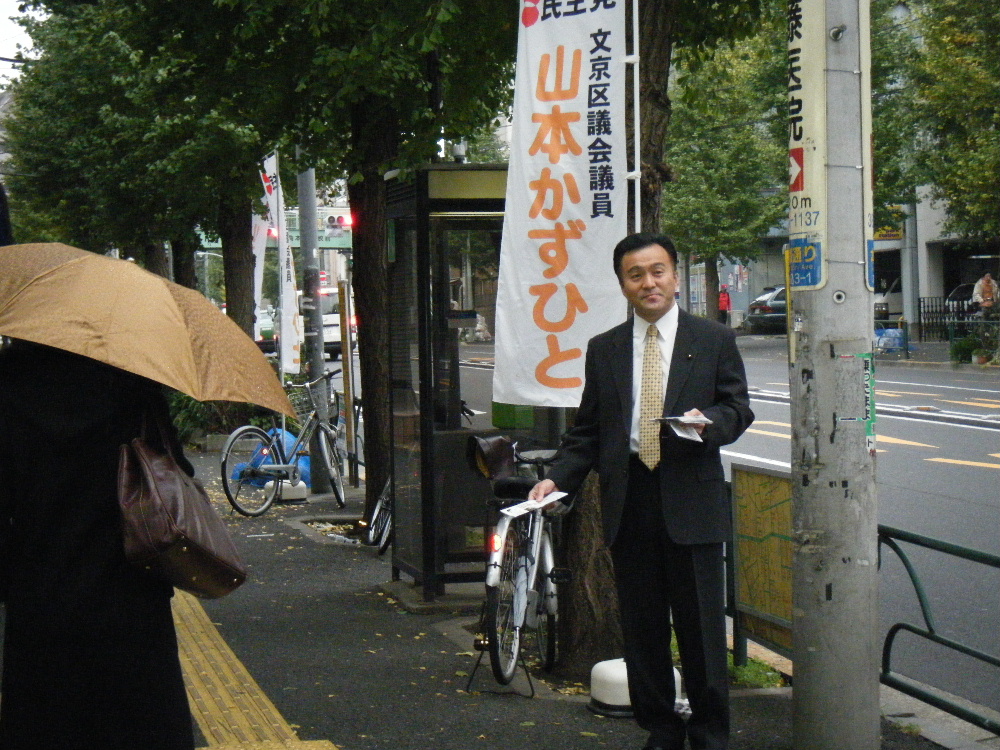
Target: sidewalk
<point x="932" y="354"/>
<point x="347" y="658"/>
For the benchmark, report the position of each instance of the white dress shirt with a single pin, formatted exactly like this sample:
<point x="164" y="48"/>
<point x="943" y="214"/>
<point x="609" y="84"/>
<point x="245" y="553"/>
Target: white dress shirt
<point x="667" y="328"/>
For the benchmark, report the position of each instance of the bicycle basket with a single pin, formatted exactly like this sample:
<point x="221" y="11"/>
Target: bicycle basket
<point x="301" y="401"/>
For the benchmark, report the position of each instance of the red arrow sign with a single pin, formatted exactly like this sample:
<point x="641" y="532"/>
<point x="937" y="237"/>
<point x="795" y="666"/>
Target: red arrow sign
<point x="796" y="170"/>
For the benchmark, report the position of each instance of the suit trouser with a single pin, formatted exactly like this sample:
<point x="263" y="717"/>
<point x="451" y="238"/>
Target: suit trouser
<point x="661" y="583"/>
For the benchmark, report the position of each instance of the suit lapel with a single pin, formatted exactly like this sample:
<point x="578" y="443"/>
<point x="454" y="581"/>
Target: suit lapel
<point x="680" y="361"/>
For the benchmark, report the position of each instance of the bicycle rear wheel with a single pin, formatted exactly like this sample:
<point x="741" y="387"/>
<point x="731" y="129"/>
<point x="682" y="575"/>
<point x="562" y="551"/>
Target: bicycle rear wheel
<point x="331" y="458"/>
<point x="249" y="489"/>
<point x="546" y="627"/>
<point x="505" y="604"/>
<point x="380" y="528"/>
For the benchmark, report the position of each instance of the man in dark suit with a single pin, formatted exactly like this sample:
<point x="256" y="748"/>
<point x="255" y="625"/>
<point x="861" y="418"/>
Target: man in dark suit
<point x="665" y="508"/>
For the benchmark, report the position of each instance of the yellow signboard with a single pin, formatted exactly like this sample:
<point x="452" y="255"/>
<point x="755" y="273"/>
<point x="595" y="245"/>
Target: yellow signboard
<point x="762" y="528"/>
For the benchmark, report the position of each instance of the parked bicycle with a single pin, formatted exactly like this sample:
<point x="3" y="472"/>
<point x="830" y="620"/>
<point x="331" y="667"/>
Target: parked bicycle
<point x="379" y="529"/>
<point x="258" y="463"/>
<point x="353" y="451"/>
<point x="379" y="532"/>
<point x="522" y="578"/>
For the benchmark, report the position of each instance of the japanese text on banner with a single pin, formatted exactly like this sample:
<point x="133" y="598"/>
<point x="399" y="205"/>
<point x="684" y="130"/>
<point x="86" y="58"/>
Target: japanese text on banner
<point x="566" y="200"/>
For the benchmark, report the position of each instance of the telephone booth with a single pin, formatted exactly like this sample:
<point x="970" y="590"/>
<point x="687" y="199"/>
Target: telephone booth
<point x="433" y="216"/>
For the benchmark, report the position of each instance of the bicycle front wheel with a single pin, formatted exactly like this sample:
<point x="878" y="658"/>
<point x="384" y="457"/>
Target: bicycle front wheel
<point x="380" y="528"/>
<point x="505" y="604"/>
<point x="331" y="457"/>
<point x="546" y="627"/>
<point x="248" y="487"/>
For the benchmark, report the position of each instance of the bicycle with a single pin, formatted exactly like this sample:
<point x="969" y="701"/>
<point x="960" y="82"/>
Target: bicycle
<point x="255" y="463"/>
<point x="521" y="575"/>
<point x="379" y="533"/>
<point x="354" y="453"/>
<point x="379" y="529"/>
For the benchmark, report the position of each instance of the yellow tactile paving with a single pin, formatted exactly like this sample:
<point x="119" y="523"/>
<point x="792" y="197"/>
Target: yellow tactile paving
<point x="232" y="711"/>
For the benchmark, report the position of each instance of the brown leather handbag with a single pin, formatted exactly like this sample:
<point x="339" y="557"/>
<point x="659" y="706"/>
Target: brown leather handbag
<point x="170" y="527"/>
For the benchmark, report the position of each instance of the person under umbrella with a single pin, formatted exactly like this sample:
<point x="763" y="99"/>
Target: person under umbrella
<point x="90" y="653"/>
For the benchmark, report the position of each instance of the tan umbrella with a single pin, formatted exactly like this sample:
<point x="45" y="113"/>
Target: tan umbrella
<point x="118" y="313"/>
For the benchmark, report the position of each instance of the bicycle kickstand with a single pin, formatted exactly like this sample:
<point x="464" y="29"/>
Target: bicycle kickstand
<point x="524" y="666"/>
<point x="480" y="646"/>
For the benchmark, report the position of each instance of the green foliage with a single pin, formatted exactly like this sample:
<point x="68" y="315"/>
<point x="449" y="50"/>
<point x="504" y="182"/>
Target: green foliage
<point x="957" y="80"/>
<point x="486" y="148"/>
<point x="895" y="130"/>
<point x="754" y="675"/>
<point x="725" y="156"/>
<point x="403" y="71"/>
<point x="961" y="349"/>
<point x="120" y="135"/>
<point x="195" y="418"/>
<point x="936" y="98"/>
<point x="700" y="28"/>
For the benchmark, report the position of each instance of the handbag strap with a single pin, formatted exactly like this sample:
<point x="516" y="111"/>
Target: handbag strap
<point x="159" y="435"/>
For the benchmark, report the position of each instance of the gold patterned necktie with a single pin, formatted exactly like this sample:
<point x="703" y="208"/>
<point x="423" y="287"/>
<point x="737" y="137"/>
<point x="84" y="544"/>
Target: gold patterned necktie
<point x="650" y="401"/>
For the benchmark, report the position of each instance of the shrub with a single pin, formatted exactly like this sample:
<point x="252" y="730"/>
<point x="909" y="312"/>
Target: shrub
<point x="194" y="418"/>
<point x="961" y="349"/>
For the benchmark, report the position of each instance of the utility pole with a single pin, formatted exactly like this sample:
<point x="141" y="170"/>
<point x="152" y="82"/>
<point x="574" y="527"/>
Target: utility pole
<point x="320" y="475"/>
<point x="835" y="522"/>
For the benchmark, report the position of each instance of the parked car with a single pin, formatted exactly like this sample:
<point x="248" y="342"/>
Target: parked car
<point x="768" y="312"/>
<point x="329" y="302"/>
<point x="959" y="300"/>
<point x="265" y="336"/>
<point x="889" y="301"/>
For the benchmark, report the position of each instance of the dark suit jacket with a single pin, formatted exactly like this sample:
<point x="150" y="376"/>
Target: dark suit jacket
<point x="706" y="373"/>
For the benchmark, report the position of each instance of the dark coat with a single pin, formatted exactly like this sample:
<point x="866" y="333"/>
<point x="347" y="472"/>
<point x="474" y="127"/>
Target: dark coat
<point x="90" y="654"/>
<point x="706" y="373"/>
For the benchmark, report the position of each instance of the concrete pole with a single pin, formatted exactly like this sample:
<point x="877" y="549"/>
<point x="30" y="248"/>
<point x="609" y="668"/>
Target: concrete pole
<point x="835" y="585"/>
<point x="320" y="479"/>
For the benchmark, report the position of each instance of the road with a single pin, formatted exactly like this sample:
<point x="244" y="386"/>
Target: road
<point x="936" y="478"/>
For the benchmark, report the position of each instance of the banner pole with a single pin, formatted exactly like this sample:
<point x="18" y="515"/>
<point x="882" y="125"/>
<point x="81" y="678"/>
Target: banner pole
<point x="635" y="174"/>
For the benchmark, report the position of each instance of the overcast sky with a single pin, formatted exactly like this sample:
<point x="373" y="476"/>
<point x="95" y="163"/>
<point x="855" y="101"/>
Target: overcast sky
<point x="10" y="35"/>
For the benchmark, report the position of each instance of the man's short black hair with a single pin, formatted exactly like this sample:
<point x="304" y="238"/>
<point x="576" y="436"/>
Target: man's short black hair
<point x="637" y="242"/>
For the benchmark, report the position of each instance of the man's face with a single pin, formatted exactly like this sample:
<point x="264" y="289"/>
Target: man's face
<point x="649" y="281"/>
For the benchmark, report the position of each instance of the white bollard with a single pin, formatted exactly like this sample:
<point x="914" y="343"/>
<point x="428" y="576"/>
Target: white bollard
<point x="609" y="689"/>
<point x="297" y="491"/>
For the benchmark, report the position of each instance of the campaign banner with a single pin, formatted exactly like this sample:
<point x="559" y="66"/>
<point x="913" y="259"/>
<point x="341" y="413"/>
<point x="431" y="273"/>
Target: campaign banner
<point x="258" y="238"/>
<point x="566" y="200"/>
<point x="290" y="324"/>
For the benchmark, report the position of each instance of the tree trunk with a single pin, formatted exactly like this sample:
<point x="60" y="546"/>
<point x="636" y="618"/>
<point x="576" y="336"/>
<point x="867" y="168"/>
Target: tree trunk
<point x="235" y="234"/>
<point x="374" y="139"/>
<point x="184" y="265"/>
<point x="156" y="260"/>
<point x="655" y="47"/>
<point x="711" y="289"/>
<point x="589" y="629"/>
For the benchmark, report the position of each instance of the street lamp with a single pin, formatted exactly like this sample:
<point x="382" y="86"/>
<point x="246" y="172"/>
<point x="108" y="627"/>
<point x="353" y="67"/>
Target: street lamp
<point x="203" y="254"/>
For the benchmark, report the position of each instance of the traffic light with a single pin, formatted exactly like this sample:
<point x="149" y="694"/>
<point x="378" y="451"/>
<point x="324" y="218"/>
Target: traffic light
<point x="337" y="225"/>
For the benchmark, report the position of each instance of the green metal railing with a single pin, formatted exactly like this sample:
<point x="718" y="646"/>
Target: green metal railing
<point x="890" y="537"/>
